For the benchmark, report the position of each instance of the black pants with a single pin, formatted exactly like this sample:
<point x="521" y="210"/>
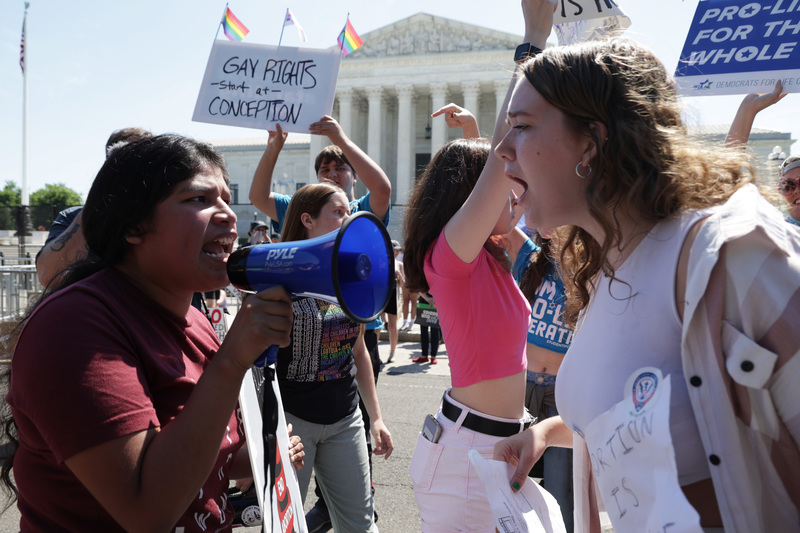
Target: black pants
<point x="425" y="340"/>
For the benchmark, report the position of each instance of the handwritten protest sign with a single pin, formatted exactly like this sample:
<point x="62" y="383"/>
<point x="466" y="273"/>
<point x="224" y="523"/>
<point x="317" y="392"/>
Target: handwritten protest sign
<point x="257" y="86"/>
<point x="572" y="10"/>
<point x="633" y="460"/>
<point x="584" y="20"/>
<point x="740" y="47"/>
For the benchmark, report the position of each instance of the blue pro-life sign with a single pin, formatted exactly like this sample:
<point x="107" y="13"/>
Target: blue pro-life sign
<point x="740" y="47"/>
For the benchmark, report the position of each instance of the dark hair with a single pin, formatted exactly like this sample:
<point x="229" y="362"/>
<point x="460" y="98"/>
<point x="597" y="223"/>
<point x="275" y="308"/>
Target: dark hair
<point x="331" y="153"/>
<point x="132" y="182"/>
<point x="647" y="165"/>
<point x="308" y="199"/>
<point x="540" y="264"/>
<point x="125" y="135"/>
<point x="443" y="188"/>
<point x="122" y="200"/>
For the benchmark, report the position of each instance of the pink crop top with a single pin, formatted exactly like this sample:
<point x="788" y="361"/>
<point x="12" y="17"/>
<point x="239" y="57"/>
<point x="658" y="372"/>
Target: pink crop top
<point x="483" y="314"/>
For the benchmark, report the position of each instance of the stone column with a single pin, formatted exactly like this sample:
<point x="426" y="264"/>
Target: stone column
<point x="405" y="133"/>
<point x="315" y="145"/>
<point x="375" y="98"/>
<point x="438" y="125"/>
<point x="345" y="97"/>
<point x="471" y="90"/>
<point x="500" y="90"/>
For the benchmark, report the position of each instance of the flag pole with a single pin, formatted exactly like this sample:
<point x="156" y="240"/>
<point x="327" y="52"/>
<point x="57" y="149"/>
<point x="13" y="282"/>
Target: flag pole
<point x="220" y="21"/>
<point x="282" y="27"/>
<point x="25" y="198"/>
<point x="24" y="225"/>
<point x="343" y="33"/>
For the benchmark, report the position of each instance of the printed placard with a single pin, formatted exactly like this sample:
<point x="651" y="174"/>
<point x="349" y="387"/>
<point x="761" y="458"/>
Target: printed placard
<point x="219" y="321"/>
<point x="281" y="504"/>
<point x="741" y="47"/>
<point x="427" y="315"/>
<point x="258" y="86"/>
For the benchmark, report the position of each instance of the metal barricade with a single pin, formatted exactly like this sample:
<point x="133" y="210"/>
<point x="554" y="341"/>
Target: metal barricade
<point x="18" y="286"/>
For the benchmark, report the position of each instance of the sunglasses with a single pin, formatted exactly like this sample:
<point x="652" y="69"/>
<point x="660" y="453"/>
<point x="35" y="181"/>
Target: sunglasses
<point x="787" y="186"/>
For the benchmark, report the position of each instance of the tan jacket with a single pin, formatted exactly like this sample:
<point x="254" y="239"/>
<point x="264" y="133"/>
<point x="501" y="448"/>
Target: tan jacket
<point x="741" y="359"/>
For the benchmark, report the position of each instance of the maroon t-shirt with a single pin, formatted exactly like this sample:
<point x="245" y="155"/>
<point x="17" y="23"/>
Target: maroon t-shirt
<point x="97" y="361"/>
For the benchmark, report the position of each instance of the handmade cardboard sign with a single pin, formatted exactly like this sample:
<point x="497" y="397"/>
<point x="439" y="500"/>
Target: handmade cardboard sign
<point x="741" y="47"/>
<point x="258" y="86"/>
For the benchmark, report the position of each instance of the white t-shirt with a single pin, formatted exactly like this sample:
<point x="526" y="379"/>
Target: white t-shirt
<point x="630" y="326"/>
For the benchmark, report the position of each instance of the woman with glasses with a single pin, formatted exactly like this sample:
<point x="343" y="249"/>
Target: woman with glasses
<point x="788" y="187"/>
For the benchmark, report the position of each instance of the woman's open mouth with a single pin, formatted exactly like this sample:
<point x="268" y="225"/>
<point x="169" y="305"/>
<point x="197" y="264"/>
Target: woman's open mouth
<point x="221" y="247"/>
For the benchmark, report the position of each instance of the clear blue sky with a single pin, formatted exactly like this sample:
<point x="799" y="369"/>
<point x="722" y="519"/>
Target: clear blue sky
<point x="97" y="66"/>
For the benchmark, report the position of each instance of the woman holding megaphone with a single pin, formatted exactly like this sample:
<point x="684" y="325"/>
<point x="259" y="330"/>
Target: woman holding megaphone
<point x="123" y="399"/>
<point x="322" y="374"/>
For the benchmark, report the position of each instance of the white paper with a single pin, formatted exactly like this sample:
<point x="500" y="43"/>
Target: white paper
<point x="258" y="86"/>
<point x="633" y="460"/>
<point x="530" y="509"/>
<point x="587" y="20"/>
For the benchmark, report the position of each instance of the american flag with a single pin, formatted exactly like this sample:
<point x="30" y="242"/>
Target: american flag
<point x="22" y="45"/>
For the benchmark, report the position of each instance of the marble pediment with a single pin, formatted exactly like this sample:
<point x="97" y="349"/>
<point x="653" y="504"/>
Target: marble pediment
<point x="429" y="34"/>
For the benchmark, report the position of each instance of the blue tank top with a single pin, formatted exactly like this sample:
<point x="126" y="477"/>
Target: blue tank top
<point x="546" y="328"/>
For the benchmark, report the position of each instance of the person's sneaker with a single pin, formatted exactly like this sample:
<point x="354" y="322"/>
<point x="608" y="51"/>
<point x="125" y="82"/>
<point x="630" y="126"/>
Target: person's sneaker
<point x="420" y="359"/>
<point x="247" y="513"/>
<point x="433" y="361"/>
<point x="318" y="520"/>
<point x="391" y="356"/>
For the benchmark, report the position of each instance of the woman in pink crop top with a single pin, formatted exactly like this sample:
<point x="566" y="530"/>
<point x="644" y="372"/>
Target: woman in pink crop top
<point x="454" y="223"/>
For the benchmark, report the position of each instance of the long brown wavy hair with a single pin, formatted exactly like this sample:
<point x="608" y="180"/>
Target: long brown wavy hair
<point x="647" y="166"/>
<point x="443" y="188"/>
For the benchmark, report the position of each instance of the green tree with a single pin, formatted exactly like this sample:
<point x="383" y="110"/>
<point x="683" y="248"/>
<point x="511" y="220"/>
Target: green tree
<point x="59" y="196"/>
<point x="10" y="197"/>
<point x="11" y="194"/>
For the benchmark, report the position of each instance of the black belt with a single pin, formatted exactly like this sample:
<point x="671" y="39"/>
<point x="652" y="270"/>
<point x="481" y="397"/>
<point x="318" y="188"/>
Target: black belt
<point x="487" y="426"/>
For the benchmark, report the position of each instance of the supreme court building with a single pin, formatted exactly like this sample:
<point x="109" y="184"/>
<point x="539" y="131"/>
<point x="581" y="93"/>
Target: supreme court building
<point x="386" y="92"/>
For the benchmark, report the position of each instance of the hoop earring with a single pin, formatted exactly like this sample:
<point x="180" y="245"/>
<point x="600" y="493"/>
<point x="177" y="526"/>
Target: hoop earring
<point x="578" y="171"/>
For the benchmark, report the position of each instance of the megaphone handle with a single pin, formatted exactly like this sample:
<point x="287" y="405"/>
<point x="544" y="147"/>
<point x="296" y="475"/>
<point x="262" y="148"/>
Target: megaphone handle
<point x="269" y="356"/>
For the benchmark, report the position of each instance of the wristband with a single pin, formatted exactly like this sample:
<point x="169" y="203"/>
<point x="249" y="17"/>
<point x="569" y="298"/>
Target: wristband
<point x="524" y="51"/>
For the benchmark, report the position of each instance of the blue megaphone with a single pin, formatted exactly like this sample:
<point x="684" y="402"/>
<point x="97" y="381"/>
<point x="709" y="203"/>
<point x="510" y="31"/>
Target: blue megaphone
<point x="352" y="267"/>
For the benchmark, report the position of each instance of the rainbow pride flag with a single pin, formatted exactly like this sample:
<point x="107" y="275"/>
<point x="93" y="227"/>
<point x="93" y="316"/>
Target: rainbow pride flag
<point x="233" y="27"/>
<point x="348" y="39"/>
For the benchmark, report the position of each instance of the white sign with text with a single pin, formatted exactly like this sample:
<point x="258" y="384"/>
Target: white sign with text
<point x="258" y="86"/>
<point x="633" y="460"/>
<point x="740" y="47"/>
